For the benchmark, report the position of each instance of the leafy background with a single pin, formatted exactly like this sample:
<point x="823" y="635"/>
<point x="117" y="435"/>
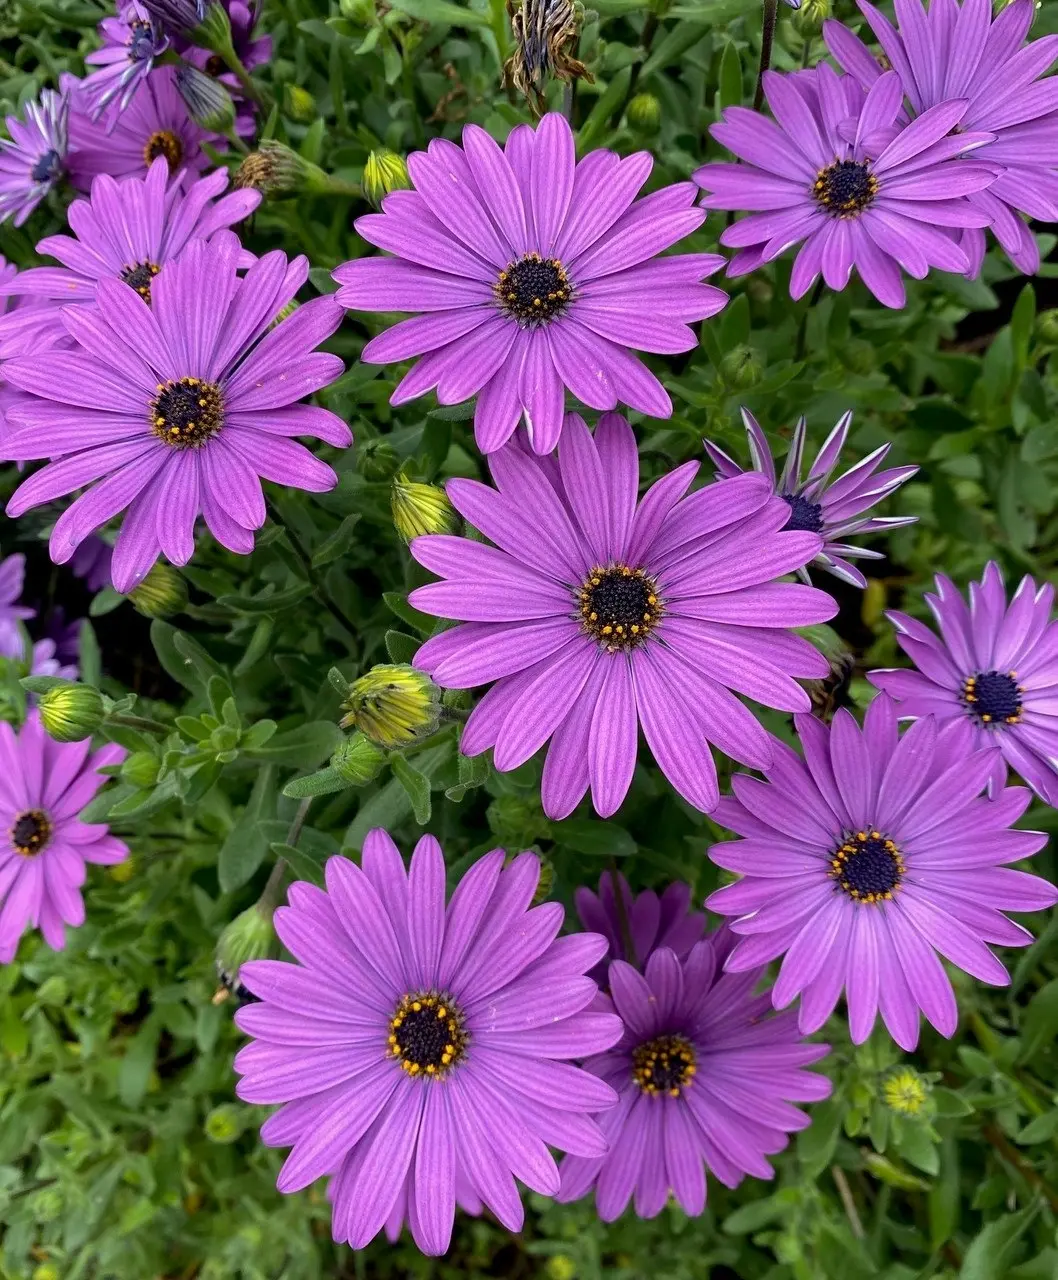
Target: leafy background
<point x="123" y="1152"/>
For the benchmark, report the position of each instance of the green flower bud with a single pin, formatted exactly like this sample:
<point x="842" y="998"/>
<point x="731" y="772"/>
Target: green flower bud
<point x="384" y="171"/>
<point x="46" y="1271"/>
<point x="208" y="102"/>
<point x="546" y="882"/>
<point x="516" y="821"/>
<point x="162" y="593"/>
<point x="1047" y="327"/>
<point x="376" y="459"/>
<point x="250" y="936"/>
<point x="47" y="1205"/>
<point x="644" y="113"/>
<point x="359" y="11"/>
<point x="141" y="768"/>
<point x="225" y="1123"/>
<point x="421" y="508"/>
<point x="357" y="760"/>
<point x="300" y="104"/>
<point x="741" y="368"/>
<point x="393" y="706"/>
<point x="905" y="1091"/>
<point x="71" y="712"/>
<point x="810" y="17"/>
<point x="560" y="1266"/>
<point x="53" y="991"/>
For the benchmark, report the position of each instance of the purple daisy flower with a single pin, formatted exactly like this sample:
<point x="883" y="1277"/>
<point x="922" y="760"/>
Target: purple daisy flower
<point x="994" y="666"/>
<point x="594" y="614"/>
<point x="423" y="1055"/>
<point x="13" y="614"/>
<point x="835" y="510"/>
<point x="125" y="143"/>
<point x="650" y="921"/>
<point x="177" y="409"/>
<point x="33" y="159"/>
<point x="957" y="51"/>
<point x="44" y="785"/>
<point x="704" y="1077"/>
<point x="837" y="171"/>
<point x="91" y="561"/>
<point x="131" y="42"/>
<point x="865" y="859"/>
<point x="532" y="271"/>
<point x="178" y="16"/>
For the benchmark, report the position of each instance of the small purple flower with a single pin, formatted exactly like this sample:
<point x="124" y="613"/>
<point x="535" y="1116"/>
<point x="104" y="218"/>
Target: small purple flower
<point x="423" y="1056"/>
<point x="994" y="666"/>
<point x="534" y="274"/>
<point x="125" y="143"/>
<point x="13" y="614"/>
<point x="91" y="561"/>
<point x="865" y="859"/>
<point x="180" y="17"/>
<point x="958" y="51"/>
<point x="651" y="921"/>
<point x="131" y="42"/>
<point x="703" y="1075"/>
<point x="595" y="613"/>
<point x="44" y="785"/>
<point x="177" y="409"/>
<point x="33" y="159"/>
<point x="44" y="660"/>
<point x="835" y="510"/>
<point x="837" y="171"/>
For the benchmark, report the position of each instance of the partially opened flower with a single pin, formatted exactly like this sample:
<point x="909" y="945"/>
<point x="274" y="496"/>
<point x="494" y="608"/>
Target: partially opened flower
<point x="705" y="1080"/>
<point x="131" y="42"/>
<point x="994" y="666"/>
<point x="837" y="170"/>
<point x="33" y="158"/>
<point x="595" y="613"/>
<point x="423" y="1055"/>
<point x="44" y="785"/>
<point x="865" y="862"/>
<point x="957" y="50"/>
<point x="13" y="614"/>
<point x="835" y="509"/>
<point x="533" y="273"/>
<point x="177" y="409"/>
<point x="645" y="919"/>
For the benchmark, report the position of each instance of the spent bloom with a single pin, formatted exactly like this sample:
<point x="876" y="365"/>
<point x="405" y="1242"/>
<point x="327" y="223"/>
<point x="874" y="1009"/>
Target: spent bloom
<point x="705" y="1079"/>
<point x="131" y="42"/>
<point x="835" y="509"/>
<point x="957" y="51"/>
<point x="595" y="613"/>
<point x="838" y="172"/>
<point x="994" y="666"/>
<point x="648" y="920"/>
<point x="534" y="274"/>
<point x="13" y="614"/>
<point x="865" y="862"/>
<point x="423" y="1055"/>
<point x="177" y="409"/>
<point x="33" y="157"/>
<point x="44" y="785"/>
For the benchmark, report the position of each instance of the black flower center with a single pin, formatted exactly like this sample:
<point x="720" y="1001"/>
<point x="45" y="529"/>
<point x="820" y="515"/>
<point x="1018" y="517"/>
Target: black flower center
<point x="534" y="289"/>
<point x="426" y="1034"/>
<point x="164" y="143"/>
<point x="805" y="516"/>
<point x="664" y="1065"/>
<point x="215" y="65"/>
<point x="993" y="697"/>
<point x="47" y="167"/>
<point x="619" y="606"/>
<point x="140" y="277"/>
<point x="30" y="832"/>
<point x="187" y="413"/>
<point x="868" y="866"/>
<point x="845" y="188"/>
<point x="141" y="41"/>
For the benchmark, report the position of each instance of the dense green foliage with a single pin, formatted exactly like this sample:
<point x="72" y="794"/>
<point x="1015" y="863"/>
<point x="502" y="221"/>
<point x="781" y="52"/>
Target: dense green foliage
<point x="123" y="1152"/>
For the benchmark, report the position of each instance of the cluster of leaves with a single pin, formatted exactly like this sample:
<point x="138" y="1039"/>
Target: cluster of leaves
<point x="122" y="1150"/>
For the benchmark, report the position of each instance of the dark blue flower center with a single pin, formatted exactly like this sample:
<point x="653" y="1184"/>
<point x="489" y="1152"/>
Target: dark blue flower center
<point x="47" y="168"/>
<point x="141" y="42"/>
<point x="868" y="866"/>
<point x="30" y="832"/>
<point x="664" y="1065"/>
<point x="993" y="697"/>
<point x="619" y="606"/>
<point x="426" y="1034"/>
<point x="534" y="289"/>
<point x="805" y="516"/>
<point x="187" y="413"/>
<point x="140" y="277"/>
<point x="845" y="188"/>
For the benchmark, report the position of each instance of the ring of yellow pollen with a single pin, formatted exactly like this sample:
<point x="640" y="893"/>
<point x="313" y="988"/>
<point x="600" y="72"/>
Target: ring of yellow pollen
<point x="619" y="606"/>
<point x="534" y="289"/>
<point x="427" y="1035"/>
<point x="30" y="832"/>
<point x="164" y="142"/>
<point x="845" y="188"/>
<point x="187" y="413"/>
<point x="868" y="866"/>
<point x="993" y="697"/>
<point x="664" y="1066"/>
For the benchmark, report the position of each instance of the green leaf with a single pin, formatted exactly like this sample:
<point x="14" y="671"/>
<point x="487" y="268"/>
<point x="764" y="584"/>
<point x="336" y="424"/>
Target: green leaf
<point x="607" y="103"/>
<point x="441" y="12"/>
<point x="729" y="92"/>
<point x="944" y="1197"/>
<point x="1039" y="1027"/>
<point x="417" y="787"/>
<point x="758" y="1213"/>
<point x="41" y="684"/>
<point x="135" y="1071"/>
<point x="406" y="613"/>
<point x="1041" y="1129"/>
<point x="338" y="543"/>
<point x="304" y="747"/>
<point x="304" y="864"/>
<point x="244" y="849"/>
<point x="595" y="838"/>
<point x="90" y="659"/>
<point x="816" y="1145"/>
<point x="400" y="647"/>
<point x="322" y="783"/>
<point x="268" y="601"/>
<point x="992" y="1250"/>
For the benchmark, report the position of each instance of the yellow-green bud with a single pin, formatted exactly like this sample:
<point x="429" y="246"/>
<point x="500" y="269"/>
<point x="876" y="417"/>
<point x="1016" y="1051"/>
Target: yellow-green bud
<point x="644" y="113"/>
<point x="546" y="882"/>
<point x="810" y="17"/>
<point x="560" y="1266"/>
<point x="141" y="769"/>
<point x="300" y="104"/>
<point x="905" y="1091"/>
<point x="393" y="706"/>
<point x="1047" y="327"/>
<point x="162" y="593"/>
<point x="376" y="459"/>
<point x="384" y="171"/>
<point x="421" y="508"/>
<point x="741" y="368"/>
<point x="46" y="1271"/>
<point x="359" y="11"/>
<point x="225" y="1123"/>
<point x="250" y="936"/>
<point x="357" y="760"/>
<point x="71" y="712"/>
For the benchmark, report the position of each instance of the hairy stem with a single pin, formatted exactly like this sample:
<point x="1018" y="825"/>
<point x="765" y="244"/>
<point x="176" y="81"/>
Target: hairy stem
<point x="767" y="39"/>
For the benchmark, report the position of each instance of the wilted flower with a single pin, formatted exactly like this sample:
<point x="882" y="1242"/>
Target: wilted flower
<point x="71" y="712"/>
<point x="421" y="508"/>
<point x="33" y="158"/>
<point x="545" y="43"/>
<point x="131" y="42"/>
<point x="393" y="706"/>
<point x="384" y="171"/>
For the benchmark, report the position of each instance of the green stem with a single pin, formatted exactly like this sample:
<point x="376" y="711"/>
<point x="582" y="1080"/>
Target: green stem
<point x="142" y="723"/>
<point x="767" y="39"/>
<point x="270" y="893"/>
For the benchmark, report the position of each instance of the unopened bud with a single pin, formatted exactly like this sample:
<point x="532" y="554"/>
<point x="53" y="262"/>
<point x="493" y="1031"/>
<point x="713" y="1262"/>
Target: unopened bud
<point x="1047" y="327"/>
<point x="741" y="368"/>
<point x="384" y="171"/>
<point x="357" y="760"/>
<point x="273" y="169"/>
<point x="300" y="104"/>
<point x="225" y="1123"/>
<point x="359" y="11"/>
<point x="905" y="1091"/>
<point x="394" y="706"/>
<point x="811" y="14"/>
<point x="376" y="459"/>
<point x="644" y="113"/>
<point x="421" y="508"/>
<point x="162" y="593"/>
<point x="141" y="769"/>
<point x="208" y="102"/>
<point x="250" y="936"/>
<point x="71" y="712"/>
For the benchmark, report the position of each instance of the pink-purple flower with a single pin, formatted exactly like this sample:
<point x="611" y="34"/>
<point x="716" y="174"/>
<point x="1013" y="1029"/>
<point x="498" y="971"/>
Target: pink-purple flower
<point x="868" y="860"/>
<point x="13" y="614"/>
<point x="33" y="159"/>
<point x="131" y="42"/>
<point x="533" y="274"/>
<point x="595" y="613"/>
<point x="44" y="785"/>
<point x="644" y="920"/>
<point x="423" y="1056"/>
